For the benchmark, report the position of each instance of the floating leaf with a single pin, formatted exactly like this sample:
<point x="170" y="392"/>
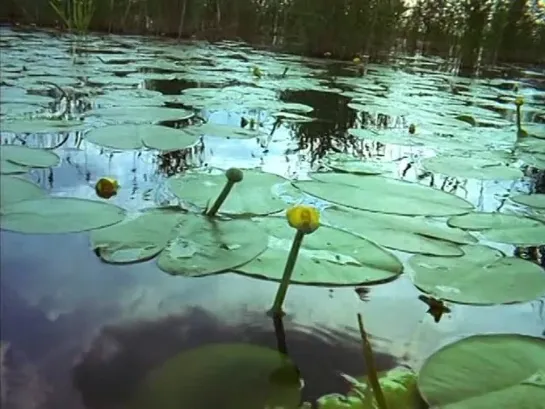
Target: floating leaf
<point x="357" y="167"/>
<point x="328" y="257"/>
<point x="241" y="376"/>
<point x="223" y="131"/>
<point x="471" y="168"/>
<point x="536" y="200"/>
<point x="40" y="126"/>
<point x="482" y="276"/>
<point x="140" y="115"/>
<point x="252" y="196"/>
<point x="8" y="168"/>
<point x="135" y="136"/>
<point x="535" y="130"/>
<point x="386" y="195"/>
<point x="393" y="136"/>
<point x="30" y="157"/>
<point x="504" y="228"/>
<point x="15" y="189"/>
<point x="492" y="371"/>
<point x="137" y="239"/>
<point x="59" y="215"/>
<point x="414" y="235"/>
<point x="202" y="245"/>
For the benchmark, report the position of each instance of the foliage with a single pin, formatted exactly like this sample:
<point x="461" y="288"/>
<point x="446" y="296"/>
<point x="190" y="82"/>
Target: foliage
<point x="76" y="14"/>
<point x="503" y="30"/>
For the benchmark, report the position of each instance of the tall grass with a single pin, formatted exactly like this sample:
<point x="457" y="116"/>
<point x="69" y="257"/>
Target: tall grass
<point x="75" y="14"/>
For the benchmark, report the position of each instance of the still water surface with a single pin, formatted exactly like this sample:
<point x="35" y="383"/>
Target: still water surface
<point x="59" y="301"/>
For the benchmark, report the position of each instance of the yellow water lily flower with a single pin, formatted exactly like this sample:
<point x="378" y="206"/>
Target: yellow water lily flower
<point x="106" y="187"/>
<point x="357" y="60"/>
<point x="519" y="101"/>
<point x="305" y="219"/>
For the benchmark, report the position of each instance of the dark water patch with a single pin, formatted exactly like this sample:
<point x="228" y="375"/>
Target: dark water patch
<point x="174" y="86"/>
<point x="121" y="356"/>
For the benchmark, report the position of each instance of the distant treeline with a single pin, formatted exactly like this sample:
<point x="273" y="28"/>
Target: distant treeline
<point x="485" y="31"/>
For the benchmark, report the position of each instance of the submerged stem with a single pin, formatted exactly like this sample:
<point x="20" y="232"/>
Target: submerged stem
<point x="372" y="370"/>
<point x="276" y="309"/>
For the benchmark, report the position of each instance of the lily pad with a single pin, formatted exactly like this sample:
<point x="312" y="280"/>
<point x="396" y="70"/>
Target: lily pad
<point x="252" y="196"/>
<point x="14" y="189"/>
<point x="393" y="136"/>
<point x="30" y="157"/>
<point x="9" y="168"/>
<point x="138" y="239"/>
<point x="536" y="200"/>
<point x="385" y="195"/>
<point x="482" y="276"/>
<point x="241" y="376"/>
<point x="327" y="257"/>
<point x="223" y="131"/>
<point x="203" y="245"/>
<point x="410" y="234"/>
<point x="536" y="130"/>
<point x="140" y="115"/>
<point x="471" y="168"/>
<point x="357" y="167"/>
<point x="135" y="136"/>
<point x="53" y="215"/>
<point x="504" y="228"/>
<point x="40" y="126"/>
<point x="492" y="371"/>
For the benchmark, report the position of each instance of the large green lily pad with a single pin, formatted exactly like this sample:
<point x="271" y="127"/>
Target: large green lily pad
<point x="30" y="157"/>
<point x="138" y="239"/>
<point x="14" y="189"/>
<point x="536" y="200"/>
<point x="135" y="136"/>
<point x="385" y="195"/>
<point x="228" y="376"/>
<point x="201" y="245"/>
<point x="410" y="234"/>
<point x="40" y="126"/>
<point x="471" y="168"/>
<point x="504" y="228"/>
<point x="327" y="257"/>
<point x="55" y="215"/>
<point x="10" y="168"/>
<point x="140" y="115"/>
<point x="492" y="371"/>
<point x="482" y="276"/>
<point x="223" y="131"/>
<point x="252" y="196"/>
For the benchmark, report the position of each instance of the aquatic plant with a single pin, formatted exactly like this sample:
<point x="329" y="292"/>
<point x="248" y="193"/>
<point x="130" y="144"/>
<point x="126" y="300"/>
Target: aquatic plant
<point x="106" y="187"/>
<point x="76" y="14"/>
<point x="306" y="220"/>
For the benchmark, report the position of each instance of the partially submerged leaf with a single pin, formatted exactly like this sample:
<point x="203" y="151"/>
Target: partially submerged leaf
<point x="201" y="245"/>
<point x="492" y="371"/>
<point x="471" y="168"/>
<point x="136" y="239"/>
<point x="482" y="276"/>
<point x="40" y="126"/>
<point x="230" y="376"/>
<point x="537" y="200"/>
<point x="252" y="196"/>
<point x="504" y="228"/>
<point x="14" y="189"/>
<point x="411" y="234"/>
<point x="55" y="215"/>
<point x="385" y="195"/>
<point x="141" y="115"/>
<point x="30" y="157"/>
<point x="327" y="257"/>
<point x="11" y="168"/>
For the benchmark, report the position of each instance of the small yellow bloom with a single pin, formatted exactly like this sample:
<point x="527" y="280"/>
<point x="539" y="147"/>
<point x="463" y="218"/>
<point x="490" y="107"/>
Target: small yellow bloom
<point x="306" y="219"/>
<point x="519" y="101"/>
<point x="357" y="60"/>
<point x="106" y="187"/>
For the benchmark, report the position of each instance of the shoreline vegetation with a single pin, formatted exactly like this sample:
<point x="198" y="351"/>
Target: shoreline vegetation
<point x="474" y="32"/>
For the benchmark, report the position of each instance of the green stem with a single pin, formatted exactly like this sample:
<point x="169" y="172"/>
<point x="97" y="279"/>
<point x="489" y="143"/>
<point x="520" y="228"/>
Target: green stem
<point x="519" y="126"/>
<point x="221" y="198"/>
<point x="276" y="309"/>
<point x="372" y="370"/>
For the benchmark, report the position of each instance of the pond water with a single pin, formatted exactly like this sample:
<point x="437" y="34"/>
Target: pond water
<point x="82" y="333"/>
